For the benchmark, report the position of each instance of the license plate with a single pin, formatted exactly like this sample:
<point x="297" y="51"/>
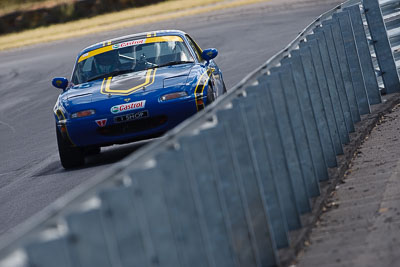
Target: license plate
<point x="133" y="116"/>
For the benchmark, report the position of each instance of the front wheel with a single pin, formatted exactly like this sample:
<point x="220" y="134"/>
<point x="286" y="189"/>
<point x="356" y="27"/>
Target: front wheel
<point x="71" y="157"/>
<point x="210" y="95"/>
<point x="92" y="150"/>
<point x="224" y="88"/>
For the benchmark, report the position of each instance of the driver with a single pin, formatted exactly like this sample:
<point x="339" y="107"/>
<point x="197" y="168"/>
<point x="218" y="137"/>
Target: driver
<point x="106" y="62"/>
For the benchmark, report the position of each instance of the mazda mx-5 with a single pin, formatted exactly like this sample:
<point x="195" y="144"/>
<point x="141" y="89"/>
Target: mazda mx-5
<point x="132" y="88"/>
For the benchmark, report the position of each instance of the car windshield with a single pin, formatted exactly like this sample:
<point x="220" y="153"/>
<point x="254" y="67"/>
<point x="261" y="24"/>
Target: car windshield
<point x="131" y="56"/>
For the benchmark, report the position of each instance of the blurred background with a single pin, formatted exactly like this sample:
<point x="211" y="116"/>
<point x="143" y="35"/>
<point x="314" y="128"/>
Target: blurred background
<point x="18" y="15"/>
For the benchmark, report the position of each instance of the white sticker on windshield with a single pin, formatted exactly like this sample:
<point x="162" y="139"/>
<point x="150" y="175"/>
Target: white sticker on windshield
<point x="129" y="43"/>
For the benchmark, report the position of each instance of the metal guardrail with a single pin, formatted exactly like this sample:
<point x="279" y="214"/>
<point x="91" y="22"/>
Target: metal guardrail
<point x="226" y="186"/>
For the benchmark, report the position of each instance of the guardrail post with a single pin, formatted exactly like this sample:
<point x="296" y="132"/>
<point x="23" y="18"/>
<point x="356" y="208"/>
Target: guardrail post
<point x="382" y="46"/>
<point x="151" y="208"/>
<point x="275" y="89"/>
<point x="317" y="104"/>
<point x="345" y="70"/>
<point x="234" y="209"/>
<point x="309" y="119"/>
<point x="250" y="190"/>
<point x="87" y="244"/>
<point x="184" y="217"/>
<point x="330" y="42"/>
<point x="367" y="66"/>
<point x="210" y="206"/>
<point x="49" y="253"/>
<point x="280" y="173"/>
<point x="122" y="221"/>
<point x="263" y="165"/>
<point x="324" y="90"/>
<point x="332" y="87"/>
<point x="354" y="61"/>
<point x="299" y="132"/>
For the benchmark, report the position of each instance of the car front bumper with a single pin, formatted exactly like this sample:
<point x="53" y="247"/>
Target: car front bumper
<point x="104" y="130"/>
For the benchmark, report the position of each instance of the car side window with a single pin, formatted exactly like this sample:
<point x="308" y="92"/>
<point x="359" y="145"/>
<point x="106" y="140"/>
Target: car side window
<point x="195" y="48"/>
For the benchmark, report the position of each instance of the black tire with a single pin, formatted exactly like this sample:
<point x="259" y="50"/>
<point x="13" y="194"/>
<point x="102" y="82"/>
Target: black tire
<point x="93" y="150"/>
<point x="224" y="89"/>
<point x="210" y="94"/>
<point x="70" y="157"/>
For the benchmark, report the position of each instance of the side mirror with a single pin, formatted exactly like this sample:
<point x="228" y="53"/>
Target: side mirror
<point x="60" y="82"/>
<point x="209" y="54"/>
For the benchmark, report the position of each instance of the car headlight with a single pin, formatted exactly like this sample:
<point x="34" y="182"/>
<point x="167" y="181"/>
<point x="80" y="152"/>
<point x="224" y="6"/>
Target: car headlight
<point x="173" y="96"/>
<point x="83" y="113"/>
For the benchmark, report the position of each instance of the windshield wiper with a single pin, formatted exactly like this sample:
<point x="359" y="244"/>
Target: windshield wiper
<point x="171" y="64"/>
<point x="113" y="73"/>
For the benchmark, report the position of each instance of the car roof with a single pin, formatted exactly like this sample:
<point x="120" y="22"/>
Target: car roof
<point x="130" y="37"/>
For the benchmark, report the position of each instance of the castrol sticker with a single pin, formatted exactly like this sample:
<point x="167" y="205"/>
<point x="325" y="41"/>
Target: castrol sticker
<point x="128" y="106"/>
<point x="129" y="43"/>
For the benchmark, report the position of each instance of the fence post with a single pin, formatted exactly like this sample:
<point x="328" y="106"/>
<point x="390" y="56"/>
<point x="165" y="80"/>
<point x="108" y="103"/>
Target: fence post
<point x="275" y="149"/>
<point x="367" y="66"/>
<point x="206" y="193"/>
<point x="234" y="209"/>
<point x="49" y="253"/>
<point x="299" y="132"/>
<point x="150" y="207"/>
<point x="345" y="70"/>
<point x="321" y="116"/>
<point x="354" y="61"/>
<point x="183" y="215"/>
<point x="327" y="30"/>
<point x="275" y="90"/>
<point x="121" y="220"/>
<point x="332" y="87"/>
<point x="249" y="186"/>
<point x="382" y="46"/>
<point x="303" y="92"/>
<point x="86" y="240"/>
<point x="254" y="132"/>
<point x="324" y="90"/>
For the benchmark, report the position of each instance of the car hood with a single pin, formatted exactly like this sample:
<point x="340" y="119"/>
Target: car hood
<point x="131" y="84"/>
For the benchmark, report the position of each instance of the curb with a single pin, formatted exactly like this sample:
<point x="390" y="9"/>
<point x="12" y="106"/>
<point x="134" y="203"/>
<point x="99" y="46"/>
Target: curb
<point x="362" y="130"/>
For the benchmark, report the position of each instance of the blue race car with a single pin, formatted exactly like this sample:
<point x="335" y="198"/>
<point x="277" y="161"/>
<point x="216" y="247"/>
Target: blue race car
<point x="132" y="88"/>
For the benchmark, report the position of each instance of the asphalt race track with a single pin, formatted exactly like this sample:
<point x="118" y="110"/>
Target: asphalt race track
<point x="31" y="176"/>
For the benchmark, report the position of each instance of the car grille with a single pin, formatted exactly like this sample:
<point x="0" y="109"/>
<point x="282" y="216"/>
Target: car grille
<point x="133" y="126"/>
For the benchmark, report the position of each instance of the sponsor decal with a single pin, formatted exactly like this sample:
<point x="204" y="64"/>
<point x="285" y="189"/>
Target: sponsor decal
<point x="148" y="80"/>
<point x="129" y="43"/>
<point x="128" y="106"/>
<point x="101" y="122"/>
<point x="199" y="90"/>
<point x="133" y="116"/>
<point x="127" y="99"/>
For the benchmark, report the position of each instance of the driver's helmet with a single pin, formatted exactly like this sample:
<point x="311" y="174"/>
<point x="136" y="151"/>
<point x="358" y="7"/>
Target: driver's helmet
<point x="106" y="62"/>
